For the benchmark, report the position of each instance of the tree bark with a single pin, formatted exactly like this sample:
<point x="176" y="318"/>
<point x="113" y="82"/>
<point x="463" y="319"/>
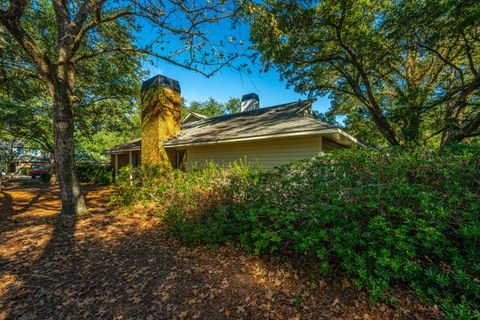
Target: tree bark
<point x="53" y="170"/>
<point x="66" y="171"/>
<point x="1" y="175"/>
<point x="451" y="118"/>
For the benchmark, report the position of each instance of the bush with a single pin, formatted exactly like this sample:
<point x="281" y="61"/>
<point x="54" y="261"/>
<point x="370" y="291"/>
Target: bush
<point x="187" y="200"/>
<point x="379" y="218"/>
<point x="45" y="177"/>
<point x="95" y="173"/>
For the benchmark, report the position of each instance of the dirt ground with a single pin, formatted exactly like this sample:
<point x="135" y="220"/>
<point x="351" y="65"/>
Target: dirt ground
<point x="106" y="265"/>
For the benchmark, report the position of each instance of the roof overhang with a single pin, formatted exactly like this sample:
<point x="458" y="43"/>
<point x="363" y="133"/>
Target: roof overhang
<point x="335" y="134"/>
<point x="343" y="138"/>
<point x="132" y="145"/>
<point x="119" y="151"/>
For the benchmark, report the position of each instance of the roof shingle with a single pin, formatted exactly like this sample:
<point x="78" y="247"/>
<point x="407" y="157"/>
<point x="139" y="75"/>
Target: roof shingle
<point x="292" y="118"/>
<point x="127" y="146"/>
<point x="282" y="119"/>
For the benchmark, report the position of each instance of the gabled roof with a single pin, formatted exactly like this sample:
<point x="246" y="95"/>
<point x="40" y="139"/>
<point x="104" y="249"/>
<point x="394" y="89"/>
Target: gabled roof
<point x="193" y="116"/>
<point x="133" y="145"/>
<point x="286" y="119"/>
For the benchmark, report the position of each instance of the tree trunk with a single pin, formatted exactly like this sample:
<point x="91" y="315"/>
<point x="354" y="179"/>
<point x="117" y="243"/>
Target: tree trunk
<point x="72" y="199"/>
<point x="60" y="78"/>
<point x="53" y="170"/>
<point x="385" y="128"/>
<point x="1" y="175"/>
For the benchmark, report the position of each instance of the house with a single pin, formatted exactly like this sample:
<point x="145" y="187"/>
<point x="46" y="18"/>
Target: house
<point x="16" y="156"/>
<point x="268" y="136"/>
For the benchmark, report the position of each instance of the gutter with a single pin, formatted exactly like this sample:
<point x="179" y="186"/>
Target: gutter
<point x="269" y="136"/>
<point x="120" y="151"/>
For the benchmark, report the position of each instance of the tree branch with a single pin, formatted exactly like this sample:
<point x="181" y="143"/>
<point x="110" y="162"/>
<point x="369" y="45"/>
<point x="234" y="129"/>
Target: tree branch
<point x="85" y="10"/>
<point x="374" y="108"/>
<point x="156" y="55"/>
<point x="468" y="51"/>
<point x="445" y="60"/>
<point x="10" y="19"/>
<point x="62" y="17"/>
<point x="97" y="21"/>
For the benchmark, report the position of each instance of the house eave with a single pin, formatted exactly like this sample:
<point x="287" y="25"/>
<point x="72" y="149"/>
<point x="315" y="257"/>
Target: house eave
<point x="119" y="151"/>
<point x="322" y="132"/>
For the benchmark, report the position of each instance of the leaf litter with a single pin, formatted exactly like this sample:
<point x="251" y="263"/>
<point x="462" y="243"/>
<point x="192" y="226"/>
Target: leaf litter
<point x="109" y="265"/>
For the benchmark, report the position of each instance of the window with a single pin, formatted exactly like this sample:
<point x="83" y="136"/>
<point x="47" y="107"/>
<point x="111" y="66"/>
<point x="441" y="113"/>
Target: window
<point x="181" y="157"/>
<point x="135" y="159"/>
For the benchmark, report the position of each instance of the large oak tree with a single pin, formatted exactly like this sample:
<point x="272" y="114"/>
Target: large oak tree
<point x="105" y="111"/>
<point x="89" y="29"/>
<point x="411" y="66"/>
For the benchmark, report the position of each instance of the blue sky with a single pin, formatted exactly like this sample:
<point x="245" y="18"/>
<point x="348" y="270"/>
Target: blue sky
<point x="227" y="83"/>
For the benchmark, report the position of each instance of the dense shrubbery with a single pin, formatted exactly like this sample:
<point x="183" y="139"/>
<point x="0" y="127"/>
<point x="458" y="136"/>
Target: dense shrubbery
<point x="189" y="202"/>
<point x="94" y="173"/>
<point x="45" y="177"/>
<point x="378" y="218"/>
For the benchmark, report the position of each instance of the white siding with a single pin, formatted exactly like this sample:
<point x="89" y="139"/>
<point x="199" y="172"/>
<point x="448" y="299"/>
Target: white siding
<point x="267" y="153"/>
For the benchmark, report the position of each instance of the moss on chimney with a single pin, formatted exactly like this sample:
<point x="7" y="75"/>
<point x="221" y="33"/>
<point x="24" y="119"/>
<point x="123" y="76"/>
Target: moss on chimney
<point x="160" y="114"/>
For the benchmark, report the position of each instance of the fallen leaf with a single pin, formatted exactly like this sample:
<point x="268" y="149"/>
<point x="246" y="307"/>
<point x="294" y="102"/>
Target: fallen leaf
<point x="269" y="294"/>
<point x="227" y="313"/>
<point x="241" y="309"/>
<point x="335" y="302"/>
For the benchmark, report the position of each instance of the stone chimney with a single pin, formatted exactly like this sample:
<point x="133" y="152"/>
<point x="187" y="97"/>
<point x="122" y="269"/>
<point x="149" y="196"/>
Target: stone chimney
<point x="160" y="114"/>
<point x="250" y="102"/>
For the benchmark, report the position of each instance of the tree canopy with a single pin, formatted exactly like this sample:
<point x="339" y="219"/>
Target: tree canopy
<point x="410" y="68"/>
<point x="106" y="94"/>
<point x="81" y="52"/>
<point x="211" y="107"/>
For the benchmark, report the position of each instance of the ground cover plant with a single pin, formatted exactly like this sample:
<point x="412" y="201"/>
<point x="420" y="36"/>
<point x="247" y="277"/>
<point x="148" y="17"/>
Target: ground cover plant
<point x="380" y="219"/>
<point x="122" y="266"/>
<point x="95" y="173"/>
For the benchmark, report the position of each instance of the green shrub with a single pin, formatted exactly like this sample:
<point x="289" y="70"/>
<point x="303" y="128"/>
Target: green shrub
<point x="186" y="200"/>
<point x="95" y="173"/>
<point x="45" y="177"/>
<point x="379" y="218"/>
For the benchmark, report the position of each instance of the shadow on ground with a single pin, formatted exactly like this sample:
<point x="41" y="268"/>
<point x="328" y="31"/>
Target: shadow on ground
<point x="116" y="266"/>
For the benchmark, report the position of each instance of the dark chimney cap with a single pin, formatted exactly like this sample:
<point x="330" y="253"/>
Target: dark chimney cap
<point x="250" y="96"/>
<point x="161" y="81"/>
